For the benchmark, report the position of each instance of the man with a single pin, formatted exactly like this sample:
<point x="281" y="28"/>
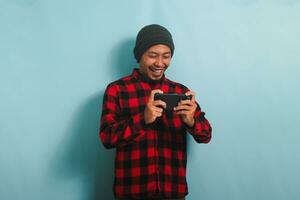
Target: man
<point x="150" y="141"/>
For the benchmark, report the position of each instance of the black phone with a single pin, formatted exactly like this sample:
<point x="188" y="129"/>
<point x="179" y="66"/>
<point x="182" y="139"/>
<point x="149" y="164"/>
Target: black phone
<point x="171" y="99"/>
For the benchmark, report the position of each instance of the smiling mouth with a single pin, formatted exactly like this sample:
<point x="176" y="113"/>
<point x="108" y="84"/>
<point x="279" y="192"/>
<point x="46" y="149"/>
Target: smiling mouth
<point x="156" y="71"/>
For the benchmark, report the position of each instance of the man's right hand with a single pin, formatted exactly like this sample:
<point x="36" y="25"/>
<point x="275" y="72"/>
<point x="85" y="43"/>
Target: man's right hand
<point x="153" y="108"/>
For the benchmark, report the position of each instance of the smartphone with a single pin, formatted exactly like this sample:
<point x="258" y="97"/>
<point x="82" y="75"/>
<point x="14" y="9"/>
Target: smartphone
<point x="171" y="99"/>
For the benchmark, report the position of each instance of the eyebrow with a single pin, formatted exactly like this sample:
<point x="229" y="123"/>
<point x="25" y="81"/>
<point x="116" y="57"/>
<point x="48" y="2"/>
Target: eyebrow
<point x="169" y="52"/>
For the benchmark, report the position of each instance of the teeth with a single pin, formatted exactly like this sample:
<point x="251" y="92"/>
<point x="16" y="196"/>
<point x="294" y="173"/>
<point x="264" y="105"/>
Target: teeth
<point x="157" y="70"/>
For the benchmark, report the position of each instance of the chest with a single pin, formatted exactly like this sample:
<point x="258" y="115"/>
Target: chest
<point x="134" y="98"/>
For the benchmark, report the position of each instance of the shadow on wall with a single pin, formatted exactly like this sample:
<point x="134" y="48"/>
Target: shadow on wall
<point x="81" y="157"/>
<point x="122" y="59"/>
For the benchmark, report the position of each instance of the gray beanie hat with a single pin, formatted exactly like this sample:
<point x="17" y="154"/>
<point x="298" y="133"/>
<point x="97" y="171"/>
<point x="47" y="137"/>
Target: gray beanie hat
<point x="149" y="36"/>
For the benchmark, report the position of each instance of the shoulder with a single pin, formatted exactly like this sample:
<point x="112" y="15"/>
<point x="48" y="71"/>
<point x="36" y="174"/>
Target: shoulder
<point x="114" y="86"/>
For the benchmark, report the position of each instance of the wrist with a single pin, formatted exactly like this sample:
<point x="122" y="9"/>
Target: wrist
<point x="190" y="123"/>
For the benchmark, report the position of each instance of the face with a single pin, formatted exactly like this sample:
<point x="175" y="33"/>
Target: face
<point x="155" y="61"/>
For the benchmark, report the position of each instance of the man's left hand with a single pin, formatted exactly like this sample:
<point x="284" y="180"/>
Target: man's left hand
<point x="186" y="109"/>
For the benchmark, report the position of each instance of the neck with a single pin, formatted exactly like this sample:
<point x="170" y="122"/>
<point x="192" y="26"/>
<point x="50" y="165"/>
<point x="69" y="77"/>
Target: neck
<point x="149" y="80"/>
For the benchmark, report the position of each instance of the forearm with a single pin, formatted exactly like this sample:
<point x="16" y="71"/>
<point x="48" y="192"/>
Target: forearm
<point x="201" y="131"/>
<point x="114" y="132"/>
<point x="200" y="127"/>
<point x="116" y="127"/>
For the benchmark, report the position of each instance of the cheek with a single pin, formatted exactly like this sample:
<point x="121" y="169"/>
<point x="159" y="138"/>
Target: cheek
<point x="167" y="62"/>
<point x="149" y="63"/>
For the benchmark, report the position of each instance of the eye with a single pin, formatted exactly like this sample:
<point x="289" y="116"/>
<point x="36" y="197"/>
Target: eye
<point x="167" y="56"/>
<point x="152" y="55"/>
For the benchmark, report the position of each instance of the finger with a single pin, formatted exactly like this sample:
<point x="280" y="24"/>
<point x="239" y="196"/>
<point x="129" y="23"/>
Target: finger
<point x="191" y="93"/>
<point x="158" y="114"/>
<point x="188" y="102"/>
<point x="159" y="103"/>
<point x="189" y="106"/>
<point x="183" y="107"/>
<point x="158" y="109"/>
<point x="151" y="97"/>
<point x="182" y="112"/>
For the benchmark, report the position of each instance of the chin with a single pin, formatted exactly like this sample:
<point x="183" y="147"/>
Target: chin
<point x="155" y="77"/>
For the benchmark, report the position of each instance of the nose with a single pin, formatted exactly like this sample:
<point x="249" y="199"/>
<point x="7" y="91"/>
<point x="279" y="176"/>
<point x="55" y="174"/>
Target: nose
<point x="159" y="61"/>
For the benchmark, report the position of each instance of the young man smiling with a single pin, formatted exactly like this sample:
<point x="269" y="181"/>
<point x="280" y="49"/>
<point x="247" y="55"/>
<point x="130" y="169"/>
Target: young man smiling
<point x="150" y="141"/>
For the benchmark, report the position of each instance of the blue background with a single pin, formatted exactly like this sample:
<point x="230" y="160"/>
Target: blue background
<point x="241" y="57"/>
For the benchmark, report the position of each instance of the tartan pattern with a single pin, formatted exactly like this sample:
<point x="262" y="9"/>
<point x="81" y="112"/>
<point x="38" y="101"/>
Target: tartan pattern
<point x="150" y="159"/>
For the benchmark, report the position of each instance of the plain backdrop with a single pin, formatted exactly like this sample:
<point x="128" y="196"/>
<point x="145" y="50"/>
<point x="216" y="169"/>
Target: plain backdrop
<point x="241" y="57"/>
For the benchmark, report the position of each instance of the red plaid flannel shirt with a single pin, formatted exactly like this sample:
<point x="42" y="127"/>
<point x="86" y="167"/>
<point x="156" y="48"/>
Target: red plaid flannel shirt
<point x="150" y="159"/>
